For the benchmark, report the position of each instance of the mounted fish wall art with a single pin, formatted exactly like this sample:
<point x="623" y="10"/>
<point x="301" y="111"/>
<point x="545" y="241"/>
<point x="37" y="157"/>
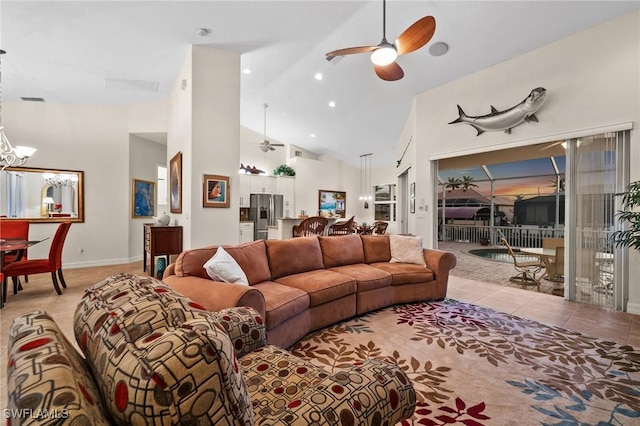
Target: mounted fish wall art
<point x="507" y="119"/>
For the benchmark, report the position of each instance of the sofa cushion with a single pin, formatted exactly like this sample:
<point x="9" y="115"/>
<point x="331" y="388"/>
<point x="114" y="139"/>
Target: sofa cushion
<point x="322" y="285"/>
<point x="223" y="267"/>
<point x="367" y="277"/>
<point x="190" y="262"/>
<point x="251" y="256"/>
<point x="45" y="373"/>
<point x="152" y="358"/>
<point x="376" y="248"/>
<point x="293" y="256"/>
<point x="282" y="302"/>
<point x="346" y="250"/>
<point x="405" y="273"/>
<point x="406" y="249"/>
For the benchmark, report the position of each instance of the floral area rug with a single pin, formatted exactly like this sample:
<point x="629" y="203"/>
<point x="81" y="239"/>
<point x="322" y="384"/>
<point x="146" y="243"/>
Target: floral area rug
<point x="475" y="366"/>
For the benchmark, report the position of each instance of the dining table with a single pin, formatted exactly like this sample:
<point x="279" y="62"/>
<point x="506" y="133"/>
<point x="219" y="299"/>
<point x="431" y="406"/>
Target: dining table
<point x="19" y="246"/>
<point x="546" y="255"/>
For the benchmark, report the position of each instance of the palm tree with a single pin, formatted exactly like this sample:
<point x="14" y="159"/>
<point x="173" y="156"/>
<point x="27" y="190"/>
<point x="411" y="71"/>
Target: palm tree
<point x="452" y="183"/>
<point x="467" y="182"/>
<point x="629" y="237"/>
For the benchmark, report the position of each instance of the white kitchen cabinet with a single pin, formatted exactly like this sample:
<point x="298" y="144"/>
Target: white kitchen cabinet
<point x="244" y="190"/>
<point x="254" y="184"/>
<point x="246" y="232"/>
<point x="285" y="185"/>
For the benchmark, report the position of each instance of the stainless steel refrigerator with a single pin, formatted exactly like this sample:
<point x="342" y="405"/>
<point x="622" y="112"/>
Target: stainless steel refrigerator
<point x="264" y="209"/>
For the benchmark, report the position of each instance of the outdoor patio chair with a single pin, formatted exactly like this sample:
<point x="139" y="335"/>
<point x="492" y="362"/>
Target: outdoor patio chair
<point x="527" y="270"/>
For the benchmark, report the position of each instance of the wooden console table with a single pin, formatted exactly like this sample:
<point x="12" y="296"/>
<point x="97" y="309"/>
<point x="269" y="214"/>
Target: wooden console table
<point x="160" y="241"/>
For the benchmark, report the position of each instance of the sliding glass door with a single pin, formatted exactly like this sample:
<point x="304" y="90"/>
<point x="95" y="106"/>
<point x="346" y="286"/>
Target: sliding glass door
<point x="598" y="173"/>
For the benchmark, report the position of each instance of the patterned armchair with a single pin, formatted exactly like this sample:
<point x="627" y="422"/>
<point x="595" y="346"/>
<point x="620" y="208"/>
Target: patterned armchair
<point x="160" y="358"/>
<point x="313" y="225"/>
<point x="343" y="228"/>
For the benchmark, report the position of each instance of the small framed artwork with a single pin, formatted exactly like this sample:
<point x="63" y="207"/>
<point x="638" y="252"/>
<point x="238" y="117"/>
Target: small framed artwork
<point x="412" y="190"/>
<point x="332" y="203"/>
<point x="412" y="205"/>
<point x="175" y="183"/>
<point x="215" y="191"/>
<point x="143" y="198"/>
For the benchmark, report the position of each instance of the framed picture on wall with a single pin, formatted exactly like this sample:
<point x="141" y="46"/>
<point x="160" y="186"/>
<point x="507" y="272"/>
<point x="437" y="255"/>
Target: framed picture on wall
<point x="175" y="183"/>
<point x="332" y="203"/>
<point x="215" y="191"/>
<point x="143" y="198"/>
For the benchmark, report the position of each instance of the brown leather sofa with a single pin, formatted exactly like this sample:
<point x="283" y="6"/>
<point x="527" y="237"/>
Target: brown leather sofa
<point x="304" y="284"/>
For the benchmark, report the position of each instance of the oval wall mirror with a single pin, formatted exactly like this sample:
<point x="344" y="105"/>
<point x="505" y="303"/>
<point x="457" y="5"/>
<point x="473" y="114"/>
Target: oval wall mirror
<point x="42" y="195"/>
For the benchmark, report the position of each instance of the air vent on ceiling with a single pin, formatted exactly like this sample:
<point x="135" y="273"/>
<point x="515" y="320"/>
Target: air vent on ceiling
<point x="31" y="99"/>
<point x="133" y="85"/>
<point x="298" y="153"/>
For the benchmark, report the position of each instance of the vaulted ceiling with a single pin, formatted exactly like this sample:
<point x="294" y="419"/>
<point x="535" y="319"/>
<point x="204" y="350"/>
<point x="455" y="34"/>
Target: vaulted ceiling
<point x="92" y="52"/>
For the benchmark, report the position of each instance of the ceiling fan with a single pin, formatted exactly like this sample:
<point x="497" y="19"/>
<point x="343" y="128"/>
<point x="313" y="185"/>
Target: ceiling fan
<point x="266" y="145"/>
<point x="384" y="54"/>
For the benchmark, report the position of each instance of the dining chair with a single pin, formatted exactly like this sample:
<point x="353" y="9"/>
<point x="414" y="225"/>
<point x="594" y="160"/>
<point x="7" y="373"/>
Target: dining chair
<point x="52" y="264"/>
<point x="379" y="227"/>
<point x="313" y="225"/>
<point x="342" y="228"/>
<point x="18" y="229"/>
<point x="555" y="269"/>
<point x="527" y="270"/>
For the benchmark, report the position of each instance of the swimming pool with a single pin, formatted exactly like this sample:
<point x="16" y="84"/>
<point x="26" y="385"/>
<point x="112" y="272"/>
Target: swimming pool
<point x="500" y="255"/>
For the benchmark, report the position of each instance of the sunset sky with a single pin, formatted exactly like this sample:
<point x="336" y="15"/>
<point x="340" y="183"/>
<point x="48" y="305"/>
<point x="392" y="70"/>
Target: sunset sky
<point x="528" y="178"/>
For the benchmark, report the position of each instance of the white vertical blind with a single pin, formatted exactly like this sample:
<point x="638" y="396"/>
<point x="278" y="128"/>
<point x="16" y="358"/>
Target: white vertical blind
<point x="594" y="203"/>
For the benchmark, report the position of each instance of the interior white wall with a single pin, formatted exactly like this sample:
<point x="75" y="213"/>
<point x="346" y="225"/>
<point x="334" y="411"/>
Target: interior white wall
<point x="214" y="147"/>
<point x="144" y="157"/>
<point x="592" y="79"/>
<point x="326" y="174"/>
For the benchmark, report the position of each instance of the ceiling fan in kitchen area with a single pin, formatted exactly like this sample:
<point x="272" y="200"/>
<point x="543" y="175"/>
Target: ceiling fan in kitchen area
<point x="384" y="54"/>
<point x="266" y="145"/>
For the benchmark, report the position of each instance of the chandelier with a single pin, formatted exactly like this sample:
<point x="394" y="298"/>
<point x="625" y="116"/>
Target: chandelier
<point x="10" y="156"/>
<point x="59" y="180"/>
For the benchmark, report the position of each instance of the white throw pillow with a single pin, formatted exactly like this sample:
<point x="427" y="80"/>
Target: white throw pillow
<point x="223" y="267"/>
<point x="405" y="249"/>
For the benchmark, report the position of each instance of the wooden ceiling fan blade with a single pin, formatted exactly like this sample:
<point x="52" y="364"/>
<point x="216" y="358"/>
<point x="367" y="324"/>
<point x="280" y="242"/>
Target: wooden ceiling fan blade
<point x="350" y="51"/>
<point x="276" y="144"/>
<point x="416" y="36"/>
<point x="391" y="72"/>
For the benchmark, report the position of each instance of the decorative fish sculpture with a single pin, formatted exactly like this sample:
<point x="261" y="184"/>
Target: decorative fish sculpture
<point x="507" y="119"/>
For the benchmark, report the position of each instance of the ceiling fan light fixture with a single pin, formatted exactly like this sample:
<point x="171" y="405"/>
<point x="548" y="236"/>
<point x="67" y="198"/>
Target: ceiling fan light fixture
<point x="384" y="55"/>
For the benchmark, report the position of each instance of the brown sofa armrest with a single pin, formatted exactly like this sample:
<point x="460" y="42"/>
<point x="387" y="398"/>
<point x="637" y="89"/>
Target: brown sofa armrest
<point x="354" y="402"/>
<point x="440" y="262"/>
<point x="215" y="295"/>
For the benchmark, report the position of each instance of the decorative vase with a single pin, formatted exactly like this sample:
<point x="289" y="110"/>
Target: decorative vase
<point x="163" y="220"/>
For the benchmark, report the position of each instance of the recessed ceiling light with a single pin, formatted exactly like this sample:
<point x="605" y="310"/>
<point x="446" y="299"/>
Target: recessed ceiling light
<point x="203" y="32"/>
<point x="439" y="48"/>
<point x="312" y="135"/>
<point x="246" y="71"/>
<point x="318" y="76"/>
<point x="332" y="104"/>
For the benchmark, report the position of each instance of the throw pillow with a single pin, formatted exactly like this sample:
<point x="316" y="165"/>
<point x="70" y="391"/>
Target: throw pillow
<point x="405" y="249"/>
<point x="223" y="267"/>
